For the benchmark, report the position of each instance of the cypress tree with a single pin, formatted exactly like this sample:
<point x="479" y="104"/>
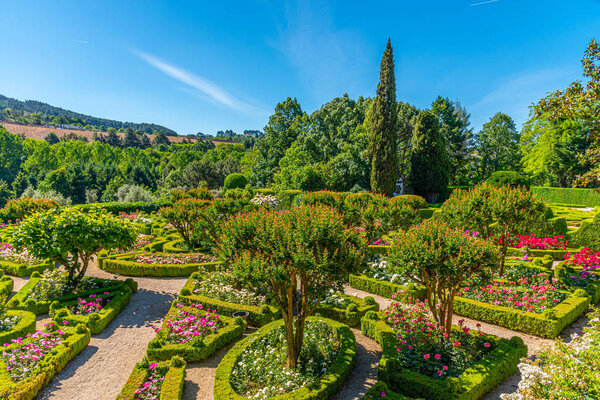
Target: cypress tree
<point x="429" y="159"/>
<point x="383" y="141"/>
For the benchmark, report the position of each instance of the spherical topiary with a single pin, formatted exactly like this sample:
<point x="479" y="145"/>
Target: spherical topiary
<point x="235" y="180"/>
<point x="352" y="307"/>
<point x="370" y="301"/>
<point x="508" y="178"/>
<point x="177" y="362"/>
<point x="185" y="291"/>
<point x="371" y="315"/>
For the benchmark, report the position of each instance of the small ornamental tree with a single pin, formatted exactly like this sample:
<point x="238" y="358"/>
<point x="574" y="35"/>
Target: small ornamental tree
<point x="19" y="209"/>
<point x="441" y="258"/>
<point x="72" y="237"/>
<point x="470" y="209"/>
<point x="298" y="254"/>
<point x="183" y="215"/>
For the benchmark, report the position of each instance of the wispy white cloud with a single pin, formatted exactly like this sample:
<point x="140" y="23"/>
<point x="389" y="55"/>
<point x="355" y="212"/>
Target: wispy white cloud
<point x="209" y="89"/>
<point x="79" y="41"/>
<point x="483" y="3"/>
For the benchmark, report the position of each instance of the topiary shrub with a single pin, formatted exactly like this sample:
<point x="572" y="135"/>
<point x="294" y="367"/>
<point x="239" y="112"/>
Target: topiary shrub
<point x="508" y="178"/>
<point x="411" y="200"/>
<point x="235" y="181"/>
<point x="19" y="209"/>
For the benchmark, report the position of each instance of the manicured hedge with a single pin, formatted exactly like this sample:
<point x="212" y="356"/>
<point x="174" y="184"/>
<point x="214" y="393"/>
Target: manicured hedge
<point x="266" y="192"/>
<point x="470" y="385"/>
<point x="115" y="207"/>
<point x="24" y="269"/>
<point x="25" y="325"/>
<point x="386" y="289"/>
<point x="352" y="314"/>
<point x="323" y="389"/>
<point x="378" y="249"/>
<point x="172" y="387"/>
<point x="6" y="285"/>
<point x="197" y="348"/>
<point x="381" y="391"/>
<point x="589" y="197"/>
<point x="258" y="315"/>
<point x="587" y="235"/>
<point x="75" y="340"/>
<point x="548" y="324"/>
<point x="96" y="322"/>
<point x="125" y="266"/>
<point x="174" y="247"/>
<point x="20" y="301"/>
<point x="563" y="273"/>
<point x="558" y="254"/>
<point x="288" y="198"/>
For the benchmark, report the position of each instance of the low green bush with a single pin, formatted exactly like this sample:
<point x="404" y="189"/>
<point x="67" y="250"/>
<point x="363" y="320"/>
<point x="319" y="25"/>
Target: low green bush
<point x="172" y="386"/>
<point x="587" y="235"/>
<point x="470" y="385"/>
<point x="24" y="269"/>
<point x="323" y="389"/>
<point x="74" y="341"/>
<point x="378" y="249"/>
<point x="288" y="198"/>
<point x="235" y="181"/>
<point x="266" y="192"/>
<point x="386" y="289"/>
<point x="381" y="391"/>
<point x="25" y="325"/>
<point x="557" y="255"/>
<point x="175" y="246"/>
<point x="197" y="348"/>
<point x="258" y="315"/>
<point x="548" y="324"/>
<point x="124" y="265"/>
<point x="20" y="301"/>
<point x="410" y="199"/>
<point x="96" y="322"/>
<point x="350" y="315"/>
<point x="508" y="178"/>
<point x="116" y="207"/>
<point x="6" y="284"/>
<point x="589" y="197"/>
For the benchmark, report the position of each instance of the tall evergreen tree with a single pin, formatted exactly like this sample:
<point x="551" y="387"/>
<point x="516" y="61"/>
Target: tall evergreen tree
<point x="383" y="139"/>
<point x="429" y="159"/>
<point x="498" y="146"/>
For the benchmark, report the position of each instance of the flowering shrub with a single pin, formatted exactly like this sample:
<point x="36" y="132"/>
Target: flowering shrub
<point x="142" y="241"/>
<point x="150" y="389"/>
<point x="335" y="299"/>
<point x="54" y="283"/>
<point x="533" y="294"/>
<point x="10" y="254"/>
<point x="188" y="325"/>
<point x="426" y="348"/>
<point x="261" y="372"/>
<point x="381" y="242"/>
<point x="269" y="201"/>
<point x="138" y="218"/>
<point x="92" y="304"/>
<point x="565" y="370"/>
<point x="379" y="268"/>
<point x="6" y="322"/>
<point x="532" y="242"/>
<point x="222" y="286"/>
<point x="22" y="360"/>
<point x="150" y="258"/>
<point x="588" y="261"/>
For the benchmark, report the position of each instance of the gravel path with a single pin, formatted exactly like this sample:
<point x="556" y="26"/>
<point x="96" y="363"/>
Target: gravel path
<point x="102" y="369"/>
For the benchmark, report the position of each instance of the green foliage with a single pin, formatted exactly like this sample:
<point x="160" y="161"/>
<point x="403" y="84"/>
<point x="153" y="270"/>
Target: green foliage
<point x="412" y="200"/>
<point x="19" y="209"/>
<point x="5" y="193"/>
<point x="25" y="325"/>
<point x="440" y="258"/>
<point x="383" y="123"/>
<point x="498" y="146"/>
<point x="327" y="198"/>
<point x="429" y="159"/>
<point x="124" y="265"/>
<point x="184" y="214"/>
<point x="172" y="385"/>
<point x="235" y="180"/>
<point x="11" y="155"/>
<point x="587" y="197"/>
<point x="307" y="250"/>
<point x="508" y="178"/>
<point x="323" y="389"/>
<point x="288" y="198"/>
<point x="72" y="237"/>
<point x="352" y="314"/>
<point x="387" y="289"/>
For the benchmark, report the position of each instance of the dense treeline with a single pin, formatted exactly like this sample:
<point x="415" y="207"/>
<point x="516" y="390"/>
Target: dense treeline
<point x="38" y="113"/>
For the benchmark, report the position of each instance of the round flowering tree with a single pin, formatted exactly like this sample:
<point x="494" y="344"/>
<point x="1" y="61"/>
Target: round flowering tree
<point x="298" y="254"/>
<point x="72" y="237"/>
<point x="441" y="258"/>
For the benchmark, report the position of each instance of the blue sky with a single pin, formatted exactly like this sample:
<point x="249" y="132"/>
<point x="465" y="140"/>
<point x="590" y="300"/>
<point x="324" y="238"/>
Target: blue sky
<point x="203" y="66"/>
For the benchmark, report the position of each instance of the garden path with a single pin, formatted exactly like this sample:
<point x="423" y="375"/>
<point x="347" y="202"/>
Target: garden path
<point x="101" y="370"/>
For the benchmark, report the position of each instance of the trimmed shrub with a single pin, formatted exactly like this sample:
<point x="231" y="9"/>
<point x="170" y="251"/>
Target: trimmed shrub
<point x="589" y="197"/>
<point x="124" y="265"/>
<point x="508" y="178"/>
<point x="386" y="289"/>
<point x="172" y="386"/>
<point x="235" y="181"/>
<point x="412" y="200"/>
<point x="197" y="348"/>
<point x="288" y="198"/>
<point x="470" y="385"/>
<point x="266" y="192"/>
<point x="19" y="209"/>
<point x="323" y="389"/>
<point x="381" y="391"/>
<point x="587" y="235"/>
<point x="25" y="325"/>
<point x="351" y="314"/>
<point x="324" y="198"/>
<point x="24" y="269"/>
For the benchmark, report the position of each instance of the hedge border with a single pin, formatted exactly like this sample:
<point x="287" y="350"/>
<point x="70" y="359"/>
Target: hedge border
<point x="172" y="387"/>
<point x="567" y="195"/>
<point x="170" y="247"/>
<point x="352" y="314"/>
<point x="386" y="289"/>
<point x="197" y="349"/>
<point x="374" y="393"/>
<point x="119" y="265"/>
<point x="546" y="325"/>
<point x="6" y="285"/>
<point x="556" y="255"/>
<point x="96" y="322"/>
<point x="52" y="364"/>
<point x="20" y="302"/>
<point x="258" y="315"/>
<point x="25" y="325"/>
<point x="470" y="385"/>
<point x="329" y="383"/>
<point x="22" y="270"/>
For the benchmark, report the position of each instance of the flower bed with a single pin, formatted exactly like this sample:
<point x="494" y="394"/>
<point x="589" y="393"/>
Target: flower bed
<point x="258" y="360"/>
<point x="141" y="264"/>
<point x="96" y="310"/>
<point x="472" y="383"/>
<point x="150" y="380"/>
<point x="346" y="309"/>
<point x="381" y="391"/>
<point x="41" y="290"/>
<point x="259" y="313"/>
<point x="193" y="333"/>
<point x="581" y="270"/>
<point x="25" y="323"/>
<point x="175" y="247"/>
<point x="20" y="263"/>
<point x="44" y="354"/>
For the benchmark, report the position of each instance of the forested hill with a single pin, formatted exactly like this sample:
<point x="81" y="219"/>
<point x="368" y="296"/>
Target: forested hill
<point x="38" y="113"/>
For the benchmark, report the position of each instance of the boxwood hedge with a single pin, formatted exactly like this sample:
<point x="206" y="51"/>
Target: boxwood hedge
<point x="74" y="341"/>
<point x="6" y="285"/>
<point x="124" y="265"/>
<point x="197" y="348"/>
<point x="470" y="385"/>
<point x="323" y="389"/>
<point x="350" y="315"/>
<point x="172" y="386"/>
<point x="25" y="325"/>
<point x="17" y="269"/>
<point x="387" y="289"/>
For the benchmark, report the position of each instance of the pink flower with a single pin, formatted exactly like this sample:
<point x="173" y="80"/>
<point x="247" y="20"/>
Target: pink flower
<point x="438" y="356"/>
<point x="486" y="345"/>
<point x="426" y="356"/>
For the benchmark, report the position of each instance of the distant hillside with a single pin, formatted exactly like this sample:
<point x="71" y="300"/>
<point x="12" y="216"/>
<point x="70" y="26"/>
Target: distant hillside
<point x="38" y="113"/>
